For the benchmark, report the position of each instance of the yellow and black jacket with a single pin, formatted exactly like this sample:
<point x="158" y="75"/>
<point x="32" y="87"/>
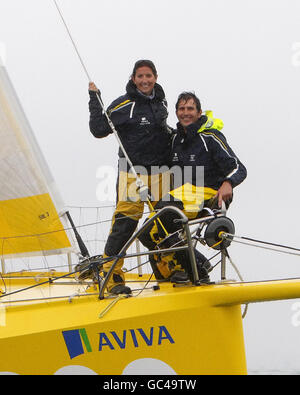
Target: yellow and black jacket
<point x="141" y="123"/>
<point x="202" y="145"/>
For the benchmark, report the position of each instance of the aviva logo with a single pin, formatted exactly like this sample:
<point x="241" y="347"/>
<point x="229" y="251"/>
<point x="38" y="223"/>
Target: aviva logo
<point x="74" y="340"/>
<point x="77" y="341"/>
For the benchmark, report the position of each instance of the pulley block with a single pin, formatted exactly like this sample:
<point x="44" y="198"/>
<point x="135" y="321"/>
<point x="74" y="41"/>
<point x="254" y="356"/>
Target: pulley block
<point x="213" y="231"/>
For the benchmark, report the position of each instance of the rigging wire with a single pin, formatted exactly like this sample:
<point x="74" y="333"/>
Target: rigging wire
<point x="262" y="242"/>
<point x="144" y="287"/>
<point x="110" y="258"/>
<point x="111" y="125"/>
<point x="67" y="229"/>
<point x="73" y="42"/>
<point x="141" y="187"/>
<point x="50" y="281"/>
<point x="37" y="285"/>
<point x="232" y="237"/>
<point x="136" y="267"/>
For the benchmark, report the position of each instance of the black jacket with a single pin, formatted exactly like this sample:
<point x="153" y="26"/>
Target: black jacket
<point x="141" y="123"/>
<point x="207" y="148"/>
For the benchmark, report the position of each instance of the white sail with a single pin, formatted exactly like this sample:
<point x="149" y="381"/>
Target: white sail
<point x="30" y="223"/>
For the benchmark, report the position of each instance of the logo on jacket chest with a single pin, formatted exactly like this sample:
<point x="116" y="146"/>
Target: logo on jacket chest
<point x="191" y="158"/>
<point x="144" y="121"/>
<point x="175" y="157"/>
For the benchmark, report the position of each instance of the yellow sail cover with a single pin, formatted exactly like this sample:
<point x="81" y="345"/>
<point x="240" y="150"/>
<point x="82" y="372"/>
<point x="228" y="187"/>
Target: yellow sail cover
<point x="29" y="203"/>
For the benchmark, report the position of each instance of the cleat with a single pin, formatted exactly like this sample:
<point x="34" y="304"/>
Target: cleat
<point x="120" y="289"/>
<point x="179" y="277"/>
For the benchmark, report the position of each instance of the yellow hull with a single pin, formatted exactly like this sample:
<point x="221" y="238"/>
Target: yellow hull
<point x="173" y="330"/>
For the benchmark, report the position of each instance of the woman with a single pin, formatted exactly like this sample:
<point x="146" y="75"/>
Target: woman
<point x="140" y="118"/>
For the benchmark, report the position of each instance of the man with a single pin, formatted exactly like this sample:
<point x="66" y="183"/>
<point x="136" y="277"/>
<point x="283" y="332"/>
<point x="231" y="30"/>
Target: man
<point x="213" y="171"/>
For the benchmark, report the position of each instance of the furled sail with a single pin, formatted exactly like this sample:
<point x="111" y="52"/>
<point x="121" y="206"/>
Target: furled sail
<point x="30" y="223"/>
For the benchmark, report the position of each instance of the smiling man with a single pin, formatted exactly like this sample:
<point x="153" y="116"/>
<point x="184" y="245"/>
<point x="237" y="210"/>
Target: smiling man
<point x="213" y="171"/>
<point x="199" y="142"/>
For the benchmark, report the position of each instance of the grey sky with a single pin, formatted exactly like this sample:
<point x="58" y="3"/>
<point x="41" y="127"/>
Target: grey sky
<point x="242" y="58"/>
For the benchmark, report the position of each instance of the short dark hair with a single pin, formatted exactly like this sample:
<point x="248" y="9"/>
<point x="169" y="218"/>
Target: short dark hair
<point x="144" y="63"/>
<point x="185" y="96"/>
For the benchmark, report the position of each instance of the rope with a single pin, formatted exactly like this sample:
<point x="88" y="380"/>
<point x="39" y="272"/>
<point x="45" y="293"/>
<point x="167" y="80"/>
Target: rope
<point x="73" y="42"/>
<point x="122" y="296"/>
<point x="111" y="125"/>
<point x="263" y="242"/>
<point x="111" y="305"/>
<point x="241" y="279"/>
<point x="232" y="237"/>
<point x="144" y="287"/>
<point x="66" y="229"/>
<point x="50" y="281"/>
<point x="139" y="182"/>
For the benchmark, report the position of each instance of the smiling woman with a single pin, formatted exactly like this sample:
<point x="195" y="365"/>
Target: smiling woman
<point x="140" y="117"/>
